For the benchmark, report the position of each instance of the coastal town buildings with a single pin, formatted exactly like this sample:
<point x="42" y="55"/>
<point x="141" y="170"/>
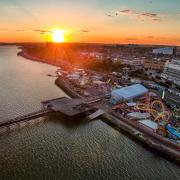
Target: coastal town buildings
<point x="153" y="65"/>
<point x="164" y="51"/>
<point x="172" y="71"/>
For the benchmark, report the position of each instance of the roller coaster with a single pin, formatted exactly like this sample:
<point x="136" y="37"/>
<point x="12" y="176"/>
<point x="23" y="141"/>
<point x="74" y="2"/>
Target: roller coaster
<point x="156" y="109"/>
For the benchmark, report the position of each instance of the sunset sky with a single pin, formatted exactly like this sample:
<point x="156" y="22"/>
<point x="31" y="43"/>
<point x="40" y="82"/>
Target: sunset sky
<point x="101" y="21"/>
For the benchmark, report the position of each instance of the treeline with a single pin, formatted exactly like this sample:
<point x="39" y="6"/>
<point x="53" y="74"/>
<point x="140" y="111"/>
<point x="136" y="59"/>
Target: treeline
<point x="106" y="65"/>
<point x="53" y="54"/>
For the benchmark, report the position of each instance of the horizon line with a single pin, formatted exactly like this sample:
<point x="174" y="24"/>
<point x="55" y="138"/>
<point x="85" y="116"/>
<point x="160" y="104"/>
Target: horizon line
<point x="99" y="43"/>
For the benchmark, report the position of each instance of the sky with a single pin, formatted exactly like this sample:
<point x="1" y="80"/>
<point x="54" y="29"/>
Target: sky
<point x="99" y="21"/>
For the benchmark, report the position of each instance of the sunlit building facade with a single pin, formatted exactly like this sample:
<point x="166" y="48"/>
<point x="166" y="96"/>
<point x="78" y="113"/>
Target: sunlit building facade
<point x="164" y="51"/>
<point x="172" y="71"/>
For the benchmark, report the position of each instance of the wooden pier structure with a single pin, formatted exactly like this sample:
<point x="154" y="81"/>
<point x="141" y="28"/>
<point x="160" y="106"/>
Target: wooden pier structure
<point x="71" y="108"/>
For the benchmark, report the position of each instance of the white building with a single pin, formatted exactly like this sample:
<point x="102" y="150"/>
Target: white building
<point x="97" y="55"/>
<point x="172" y="71"/>
<point x="164" y="51"/>
<point x="132" y="62"/>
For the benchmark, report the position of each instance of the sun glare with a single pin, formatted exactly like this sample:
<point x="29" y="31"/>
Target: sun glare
<point x="58" y="36"/>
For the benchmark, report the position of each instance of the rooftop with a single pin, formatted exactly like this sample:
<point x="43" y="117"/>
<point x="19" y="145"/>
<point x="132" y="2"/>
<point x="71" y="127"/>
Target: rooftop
<point x="130" y="92"/>
<point x="66" y="106"/>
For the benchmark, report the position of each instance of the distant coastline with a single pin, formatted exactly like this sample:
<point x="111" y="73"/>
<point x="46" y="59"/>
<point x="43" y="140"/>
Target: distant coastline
<point x="25" y="54"/>
<point x="28" y="56"/>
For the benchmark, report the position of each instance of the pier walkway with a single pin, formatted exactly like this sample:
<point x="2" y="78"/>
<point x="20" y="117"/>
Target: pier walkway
<point x="24" y="118"/>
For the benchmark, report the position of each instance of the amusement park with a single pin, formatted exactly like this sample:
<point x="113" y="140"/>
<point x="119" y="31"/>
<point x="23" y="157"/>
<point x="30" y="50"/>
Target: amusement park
<point x="137" y="104"/>
<point x="145" y="110"/>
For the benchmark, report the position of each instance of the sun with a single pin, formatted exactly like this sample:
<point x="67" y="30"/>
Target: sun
<point x="58" y="36"/>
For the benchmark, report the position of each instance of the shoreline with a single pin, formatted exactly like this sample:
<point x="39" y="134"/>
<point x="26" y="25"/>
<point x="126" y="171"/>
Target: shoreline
<point x="23" y="53"/>
<point x="170" y="152"/>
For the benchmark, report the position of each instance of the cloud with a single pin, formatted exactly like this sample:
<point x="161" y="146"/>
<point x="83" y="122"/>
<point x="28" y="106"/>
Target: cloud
<point x="127" y="11"/>
<point x="109" y="15"/>
<point x="150" y="15"/>
<point x="41" y="31"/>
<point x="82" y="31"/>
<point x="22" y="30"/>
<point x="17" y="30"/>
<point x="3" y="29"/>
<point x="150" y="37"/>
<point x="142" y="16"/>
<point x="85" y="30"/>
<point x="131" y="39"/>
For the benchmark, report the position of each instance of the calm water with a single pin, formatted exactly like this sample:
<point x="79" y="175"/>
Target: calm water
<point x="53" y="151"/>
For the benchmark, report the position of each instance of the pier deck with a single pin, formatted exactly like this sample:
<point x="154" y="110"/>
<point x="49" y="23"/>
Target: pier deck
<point x="66" y="106"/>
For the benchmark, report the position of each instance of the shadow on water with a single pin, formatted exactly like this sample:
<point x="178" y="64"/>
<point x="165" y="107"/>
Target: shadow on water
<point x="68" y="122"/>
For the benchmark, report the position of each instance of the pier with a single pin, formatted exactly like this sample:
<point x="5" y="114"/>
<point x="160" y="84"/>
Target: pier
<point x="26" y="117"/>
<point x="71" y="108"/>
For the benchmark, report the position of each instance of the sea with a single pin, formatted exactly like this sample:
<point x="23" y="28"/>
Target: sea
<point x="52" y="150"/>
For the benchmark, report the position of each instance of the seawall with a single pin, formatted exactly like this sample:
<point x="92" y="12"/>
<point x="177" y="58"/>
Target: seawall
<point x="148" y="141"/>
<point x="61" y="84"/>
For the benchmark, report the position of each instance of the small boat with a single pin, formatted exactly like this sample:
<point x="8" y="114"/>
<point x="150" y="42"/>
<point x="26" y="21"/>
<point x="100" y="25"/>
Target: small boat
<point x="51" y="75"/>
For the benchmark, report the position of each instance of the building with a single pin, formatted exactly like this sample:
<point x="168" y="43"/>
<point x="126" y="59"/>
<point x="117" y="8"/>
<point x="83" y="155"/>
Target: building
<point x="153" y="65"/>
<point x="132" y="62"/>
<point x="127" y="93"/>
<point x="177" y="51"/>
<point x="164" y="51"/>
<point x="172" y="71"/>
<point x="96" y="55"/>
